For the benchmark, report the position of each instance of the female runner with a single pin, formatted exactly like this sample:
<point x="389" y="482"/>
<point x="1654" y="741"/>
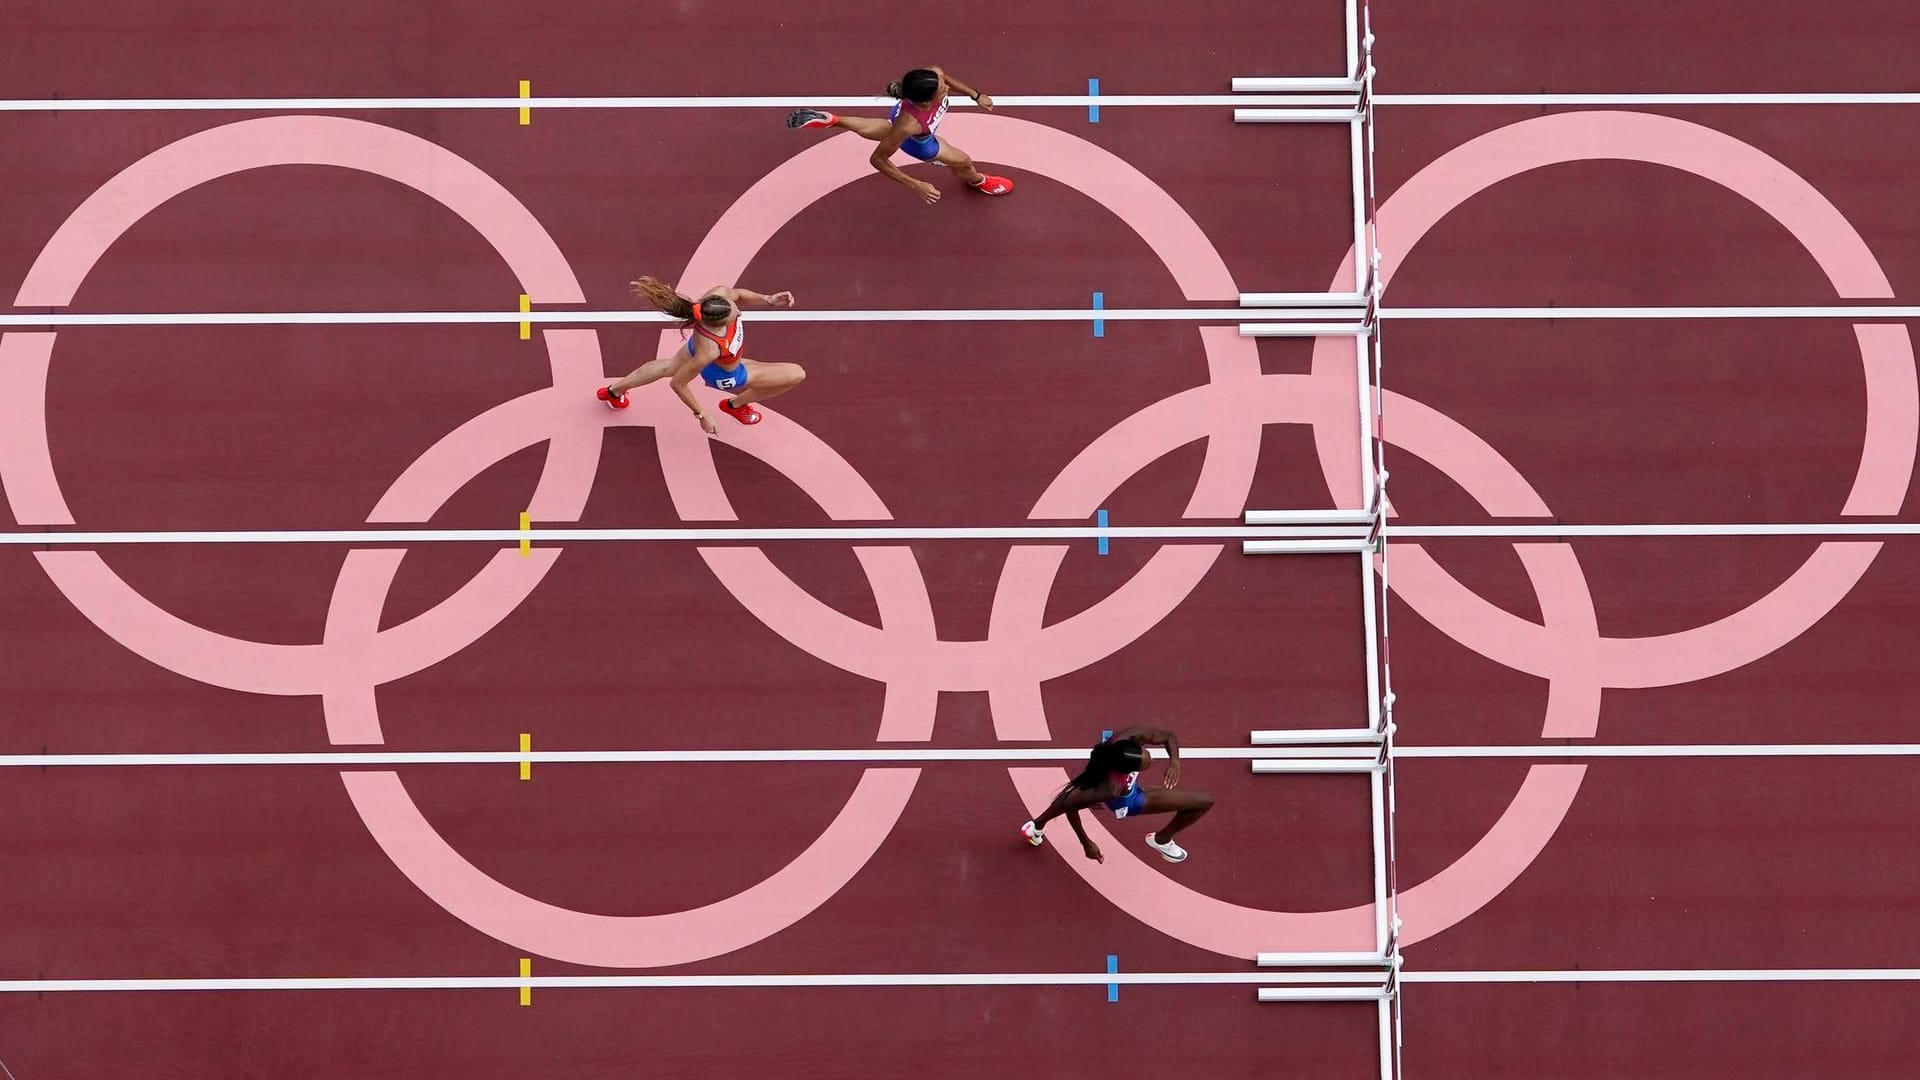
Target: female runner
<point x="1112" y="779"/>
<point x="913" y="126"/>
<point x="713" y="353"/>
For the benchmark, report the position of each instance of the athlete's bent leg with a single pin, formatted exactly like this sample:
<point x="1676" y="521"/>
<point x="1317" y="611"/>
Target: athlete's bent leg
<point x="1186" y="807"/>
<point x="644" y="374"/>
<point x="768" y="380"/>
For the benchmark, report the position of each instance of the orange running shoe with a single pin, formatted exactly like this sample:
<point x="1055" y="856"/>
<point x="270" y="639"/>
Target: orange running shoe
<point x="607" y="395"/>
<point x="993" y="185"/>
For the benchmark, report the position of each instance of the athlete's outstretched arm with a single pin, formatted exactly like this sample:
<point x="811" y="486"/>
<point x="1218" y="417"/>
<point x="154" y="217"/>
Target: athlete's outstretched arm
<point x="1158" y="737"/>
<point x="960" y="87"/>
<point x="1086" y="843"/>
<point x="747" y="296"/>
<point x="903" y="127"/>
<point x="688" y="369"/>
<point x="1068" y="802"/>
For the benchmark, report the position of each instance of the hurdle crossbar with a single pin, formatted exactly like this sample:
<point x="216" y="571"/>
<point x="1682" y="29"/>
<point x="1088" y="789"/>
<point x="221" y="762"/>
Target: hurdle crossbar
<point x="1328" y="766"/>
<point x="1297" y="116"/>
<point x="1325" y="959"/>
<point x="1321" y="993"/>
<point x="1304" y="329"/>
<point x="1309" y="517"/>
<point x="1294" y="84"/>
<point x="1311" y="736"/>
<point x="1303" y="299"/>
<point x="1331" y="546"/>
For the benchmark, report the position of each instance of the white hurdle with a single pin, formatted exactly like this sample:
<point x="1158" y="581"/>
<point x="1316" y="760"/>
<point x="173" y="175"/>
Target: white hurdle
<point x="1358" y="531"/>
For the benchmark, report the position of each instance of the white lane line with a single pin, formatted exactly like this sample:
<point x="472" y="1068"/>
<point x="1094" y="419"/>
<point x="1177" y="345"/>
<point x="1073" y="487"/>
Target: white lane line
<point x="1674" y="975"/>
<point x="1895" y="98"/>
<point x="514" y="104"/>
<point x="1831" y="311"/>
<point x="842" y="101"/>
<point x="684" y="982"/>
<point x="934" y="979"/>
<point x="1728" y="750"/>
<point x="884" y="533"/>
<point x="878" y="755"/>
<point x="1253" y="316"/>
<point x="546" y="535"/>
<point x="1556" y="532"/>
<point x="914" y="756"/>
<point x="567" y="318"/>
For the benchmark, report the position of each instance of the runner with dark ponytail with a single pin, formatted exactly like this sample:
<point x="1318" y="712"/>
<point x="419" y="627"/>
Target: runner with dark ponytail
<point x="1111" y="778"/>
<point x="919" y="106"/>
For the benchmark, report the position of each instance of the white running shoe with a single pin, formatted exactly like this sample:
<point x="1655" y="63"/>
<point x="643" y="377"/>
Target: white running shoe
<point x="1169" y="851"/>
<point x="1033" y="835"/>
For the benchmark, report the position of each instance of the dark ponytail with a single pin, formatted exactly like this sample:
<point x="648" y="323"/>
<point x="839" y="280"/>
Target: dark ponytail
<point x="917" y="86"/>
<point x="1109" y="757"/>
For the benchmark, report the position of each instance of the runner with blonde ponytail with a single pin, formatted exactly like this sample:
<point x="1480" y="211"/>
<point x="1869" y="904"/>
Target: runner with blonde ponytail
<point x="713" y="353"/>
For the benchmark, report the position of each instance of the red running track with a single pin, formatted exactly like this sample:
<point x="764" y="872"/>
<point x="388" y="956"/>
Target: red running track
<point x="1659" y="863"/>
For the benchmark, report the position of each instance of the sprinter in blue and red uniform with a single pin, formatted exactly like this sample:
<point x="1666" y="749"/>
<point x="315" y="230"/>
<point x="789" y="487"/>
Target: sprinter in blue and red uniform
<point x="920" y="103"/>
<point x="1112" y="779"/>
<point x="713" y="353"/>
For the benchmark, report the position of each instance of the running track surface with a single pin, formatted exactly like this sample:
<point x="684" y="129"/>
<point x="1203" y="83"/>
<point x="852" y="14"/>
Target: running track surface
<point x="1659" y="863"/>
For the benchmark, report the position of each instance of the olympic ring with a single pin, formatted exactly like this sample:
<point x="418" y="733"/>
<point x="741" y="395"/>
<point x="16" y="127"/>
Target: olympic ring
<point x="355" y="656"/>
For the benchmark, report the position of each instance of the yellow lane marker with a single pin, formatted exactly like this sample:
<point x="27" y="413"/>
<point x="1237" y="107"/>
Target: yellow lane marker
<point x="526" y="111"/>
<point x="526" y="747"/>
<point x="526" y="328"/>
<point x="526" y="541"/>
<point x="526" y="972"/>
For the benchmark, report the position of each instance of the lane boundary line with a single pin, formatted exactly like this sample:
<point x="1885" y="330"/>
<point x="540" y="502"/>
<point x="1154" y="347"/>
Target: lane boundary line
<point x="512" y="537"/>
<point x="918" y="756"/>
<point x="946" y="979"/>
<point x="1335" y="314"/>
<point x="844" y="101"/>
<point x="646" y="102"/>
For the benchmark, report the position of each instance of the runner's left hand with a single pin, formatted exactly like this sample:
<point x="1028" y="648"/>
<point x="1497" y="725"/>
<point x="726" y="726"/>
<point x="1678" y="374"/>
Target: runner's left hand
<point x="1173" y="774"/>
<point x="986" y="101"/>
<point x="781" y="299"/>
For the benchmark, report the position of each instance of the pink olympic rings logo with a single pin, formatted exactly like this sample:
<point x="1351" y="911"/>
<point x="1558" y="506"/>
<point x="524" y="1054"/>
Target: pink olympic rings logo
<point x="1020" y="652"/>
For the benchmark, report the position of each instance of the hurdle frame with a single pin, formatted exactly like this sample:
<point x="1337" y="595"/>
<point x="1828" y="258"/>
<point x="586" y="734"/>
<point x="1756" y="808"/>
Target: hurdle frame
<point x="1360" y="532"/>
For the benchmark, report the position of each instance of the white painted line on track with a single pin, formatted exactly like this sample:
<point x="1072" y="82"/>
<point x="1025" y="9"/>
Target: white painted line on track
<point x="558" y="535"/>
<point x="1237" y="315"/>
<point x="515" y="104"/>
<point x="896" y="533"/>
<point x="568" y="318"/>
<point x="683" y="982"/>
<point x="1557" y="532"/>
<point x="350" y="758"/>
<point x="949" y="979"/>
<point x="1674" y="975"/>
<point x="1831" y="311"/>
<point x="844" y="101"/>
<point x="1658" y="750"/>
<point x="1762" y="98"/>
<point x="877" y="755"/>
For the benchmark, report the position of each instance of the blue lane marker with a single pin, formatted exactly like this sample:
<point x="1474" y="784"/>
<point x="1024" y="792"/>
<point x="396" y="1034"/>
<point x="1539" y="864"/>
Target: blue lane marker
<point x="1100" y="519"/>
<point x="1099" y="304"/>
<point x="1113" y="968"/>
<point x="1105" y="735"/>
<point x="1093" y="111"/>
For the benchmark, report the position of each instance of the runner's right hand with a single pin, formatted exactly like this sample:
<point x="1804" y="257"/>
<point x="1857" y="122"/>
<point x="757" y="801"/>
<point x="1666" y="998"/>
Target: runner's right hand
<point x="928" y="193"/>
<point x="706" y="425"/>
<point x="1093" y="852"/>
